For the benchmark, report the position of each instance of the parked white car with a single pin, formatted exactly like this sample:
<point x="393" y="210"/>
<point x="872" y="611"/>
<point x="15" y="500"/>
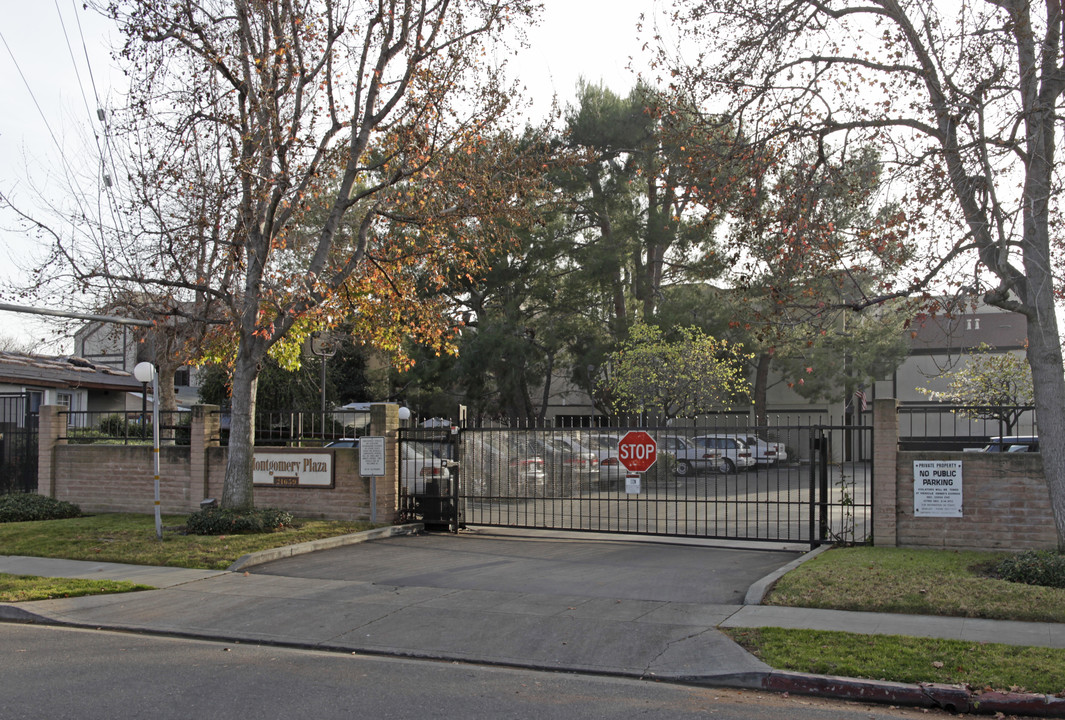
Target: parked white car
<point x="418" y="467"/>
<point x="691" y="458"/>
<point x="734" y="453"/>
<point x="765" y="452"/>
<point x="605" y="449"/>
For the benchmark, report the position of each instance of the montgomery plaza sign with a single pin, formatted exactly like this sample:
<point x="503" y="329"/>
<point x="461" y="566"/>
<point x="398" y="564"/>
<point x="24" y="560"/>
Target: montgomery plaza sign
<point x="293" y="468"/>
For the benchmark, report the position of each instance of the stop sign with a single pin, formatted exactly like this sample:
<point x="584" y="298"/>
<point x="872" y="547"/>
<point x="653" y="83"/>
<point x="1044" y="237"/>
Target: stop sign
<point x="637" y="451"/>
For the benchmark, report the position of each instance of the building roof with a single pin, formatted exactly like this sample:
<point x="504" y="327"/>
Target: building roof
<point x="62" y="372"/>
<point x="964" y="331"/>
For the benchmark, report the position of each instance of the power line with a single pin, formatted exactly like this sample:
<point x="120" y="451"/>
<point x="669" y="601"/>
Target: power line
<point x="33" y="97"/>
<point x="100" y="115"/>
<point x="48" y="126"/>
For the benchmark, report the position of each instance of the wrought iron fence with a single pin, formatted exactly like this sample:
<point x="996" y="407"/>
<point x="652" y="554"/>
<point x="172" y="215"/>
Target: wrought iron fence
<point x="306" y="428"/>
<point x="91" y="427"/>
<point x="786" y="482"/>
<point x="18" y="444"/>
<point x="962" y="427"/>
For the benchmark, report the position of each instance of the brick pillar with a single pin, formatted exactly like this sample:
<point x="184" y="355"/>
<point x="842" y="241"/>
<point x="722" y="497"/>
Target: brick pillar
<point x="885" y="483"/>
<point x="384" y="421"/>
<point x="49" y="430"/>
<point x="204" y="429"/>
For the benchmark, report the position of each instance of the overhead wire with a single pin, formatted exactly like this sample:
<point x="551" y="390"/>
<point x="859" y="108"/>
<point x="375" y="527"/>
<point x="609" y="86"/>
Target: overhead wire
<point x="100" y="115"/>
<point x="71" y="177"/>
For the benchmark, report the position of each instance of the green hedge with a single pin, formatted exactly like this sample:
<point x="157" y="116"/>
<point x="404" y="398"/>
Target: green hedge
<point x="1034" y="567"/>
<point x="216" y="521"/>
<point x="22" y="507"/>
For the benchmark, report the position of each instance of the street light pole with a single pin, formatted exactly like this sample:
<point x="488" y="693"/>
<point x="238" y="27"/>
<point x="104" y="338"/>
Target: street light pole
<point x="144" y="372"/>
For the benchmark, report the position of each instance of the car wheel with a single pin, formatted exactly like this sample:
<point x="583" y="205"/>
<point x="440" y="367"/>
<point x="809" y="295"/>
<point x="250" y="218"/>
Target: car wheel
<point x="684" y="468"/>
<point x="726" y="466"/>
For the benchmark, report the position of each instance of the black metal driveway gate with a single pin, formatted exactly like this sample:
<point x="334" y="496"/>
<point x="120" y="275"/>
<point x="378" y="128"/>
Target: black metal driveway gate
<point x="18" y="444"/>
<point x="569" y="479"/>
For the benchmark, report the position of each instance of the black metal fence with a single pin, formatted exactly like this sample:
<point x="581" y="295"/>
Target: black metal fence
<point x="79" y="427"/>
<point x="18" y="444"/>
<point x="302" y="428"/>
<point x="780" y="483"/>
<point x="962" y="427"/>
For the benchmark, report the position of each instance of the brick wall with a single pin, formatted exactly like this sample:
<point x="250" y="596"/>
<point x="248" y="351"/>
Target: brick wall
<point x="1005" y="501"/>
<point x="117" y="478"/>
<point x="1005" y="504"/>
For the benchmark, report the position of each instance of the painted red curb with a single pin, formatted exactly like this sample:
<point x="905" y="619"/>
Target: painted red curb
<point x="946" y="697"/>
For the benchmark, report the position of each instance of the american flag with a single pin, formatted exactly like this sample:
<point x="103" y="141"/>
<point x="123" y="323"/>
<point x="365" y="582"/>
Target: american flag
<point x="860" y="398"/>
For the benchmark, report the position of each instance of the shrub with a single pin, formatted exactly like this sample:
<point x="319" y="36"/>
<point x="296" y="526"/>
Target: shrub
<point x="118" y="426"/>
<point x="216" y="521"/>
<point x="21" y="507"/>
<point x="1034" y="567"/>
<point x="664" y="469"/>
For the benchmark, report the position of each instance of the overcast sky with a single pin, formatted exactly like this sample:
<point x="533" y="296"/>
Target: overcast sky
<point x="50" y="93"/>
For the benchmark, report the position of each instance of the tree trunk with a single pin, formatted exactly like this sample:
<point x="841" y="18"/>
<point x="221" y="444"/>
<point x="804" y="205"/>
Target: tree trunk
<point x="761" y="383"/>
<point x="237" y="493"/>
<point x="1044" y="358"/>
<point x="167" y="400"/>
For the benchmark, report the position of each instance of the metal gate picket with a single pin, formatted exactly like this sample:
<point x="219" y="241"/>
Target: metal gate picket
<point x="525" y="478"/>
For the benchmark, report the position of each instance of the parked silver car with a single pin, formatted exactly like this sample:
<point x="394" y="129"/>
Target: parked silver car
<point x="495" y="467"/>
<point x="734" y="453"/>
<point x="605" y="449"/>
<point x="691" y="458"/>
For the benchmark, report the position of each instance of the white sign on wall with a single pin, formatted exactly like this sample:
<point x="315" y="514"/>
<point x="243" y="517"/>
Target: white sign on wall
<point x="297" y="468"/>
<point x="937" y="488"/>
<point x="632" y="484"/>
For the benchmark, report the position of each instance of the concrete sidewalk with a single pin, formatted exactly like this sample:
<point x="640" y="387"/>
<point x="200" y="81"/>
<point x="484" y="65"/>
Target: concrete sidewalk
<point x="541" y="629"/>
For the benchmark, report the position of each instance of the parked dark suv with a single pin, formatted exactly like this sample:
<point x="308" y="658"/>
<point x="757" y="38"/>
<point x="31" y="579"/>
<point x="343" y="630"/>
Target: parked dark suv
<point x="1012" y="443"/>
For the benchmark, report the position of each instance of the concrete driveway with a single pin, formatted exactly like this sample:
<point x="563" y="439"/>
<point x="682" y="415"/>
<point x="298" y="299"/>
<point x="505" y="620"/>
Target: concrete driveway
<point x="512" y="561"/>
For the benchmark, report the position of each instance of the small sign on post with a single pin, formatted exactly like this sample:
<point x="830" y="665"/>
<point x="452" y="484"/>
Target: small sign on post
<point x="372" y="465"/>
<point x="372" y="456"/>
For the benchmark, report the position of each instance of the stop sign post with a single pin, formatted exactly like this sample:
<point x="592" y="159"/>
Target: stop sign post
<point x="637" y="451"/>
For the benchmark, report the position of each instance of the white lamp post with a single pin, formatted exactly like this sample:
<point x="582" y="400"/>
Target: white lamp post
<point x="145" y="373"/>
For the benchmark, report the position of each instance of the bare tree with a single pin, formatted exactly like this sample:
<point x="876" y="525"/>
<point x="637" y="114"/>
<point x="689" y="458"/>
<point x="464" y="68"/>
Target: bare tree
<point x="961" y="99"/>
<point x="292" y="159"/>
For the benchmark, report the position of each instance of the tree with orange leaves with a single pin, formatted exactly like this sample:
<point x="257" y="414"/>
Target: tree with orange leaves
<point x="246" y="118"/>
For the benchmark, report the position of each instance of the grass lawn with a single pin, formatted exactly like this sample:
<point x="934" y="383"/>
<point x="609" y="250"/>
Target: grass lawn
<point x="919" y="582"/>
<point x="22" y="588"/>
<point x="923" y="582"/>
<point x="130" y="538"/>
<point x="908" y="659"/>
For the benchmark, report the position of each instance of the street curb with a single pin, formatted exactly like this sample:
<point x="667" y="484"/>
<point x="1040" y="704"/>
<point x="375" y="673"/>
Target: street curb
<point x="265" y="556"/>
<point x="952" y="698"/>
<point x="757" y="592"/>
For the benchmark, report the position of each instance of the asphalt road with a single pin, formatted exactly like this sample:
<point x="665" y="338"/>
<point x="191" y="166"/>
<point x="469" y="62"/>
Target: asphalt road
<point x="615" y="568"/>
<point x="63" y="674"/>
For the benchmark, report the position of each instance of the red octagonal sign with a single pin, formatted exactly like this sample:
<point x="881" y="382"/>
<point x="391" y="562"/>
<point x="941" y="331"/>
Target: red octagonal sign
<point x="637" y="451"/>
